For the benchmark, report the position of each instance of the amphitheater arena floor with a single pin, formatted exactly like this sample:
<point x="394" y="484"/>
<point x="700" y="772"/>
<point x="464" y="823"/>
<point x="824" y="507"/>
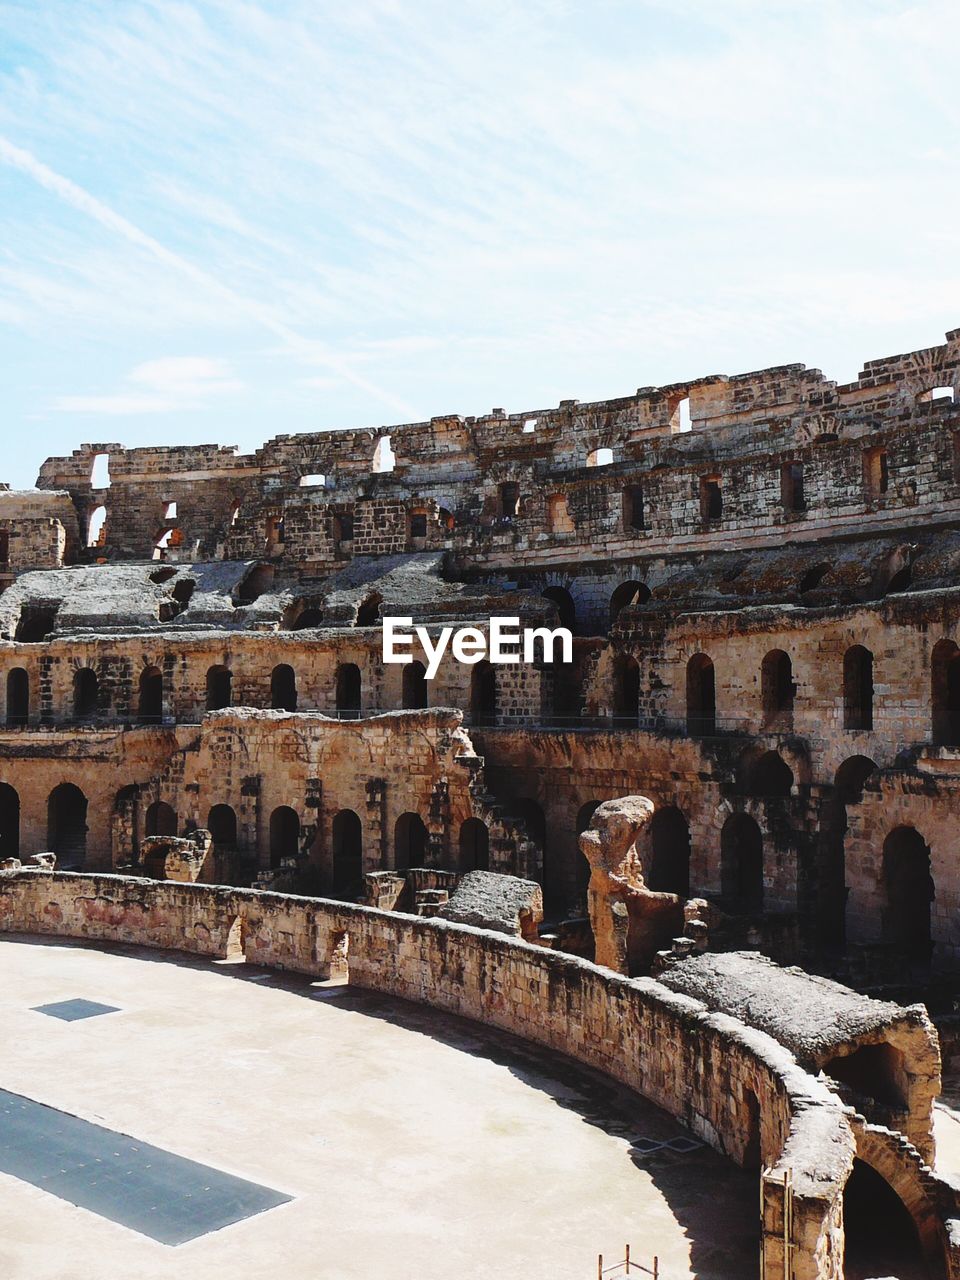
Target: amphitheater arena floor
<point x="413" y="1145"/>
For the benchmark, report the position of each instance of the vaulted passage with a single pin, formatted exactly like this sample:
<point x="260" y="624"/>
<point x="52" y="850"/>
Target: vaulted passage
<point x="219" y="688"/>
<point x="415" y="686"/>
<point x="160" y="820"/>
<point x="67" y="826"/>
<point x="880" y="1235"/>
<point x="347" y="855"/>
<point x="283" y="688"/>
<point x="348" y="691"/>
<point x="701" y="696"/>
<point x="409" y="842"/>
<point x="222" y="825"/>
<point x="18" y="697"/>
<point x="741" y="863"/>
<point x="85" y="694"/>
<point x="909" y="893"/>
<point x="150" y="703"/>
<point x="9" y="821"/>
<point x="474" y="853"/>
<point x="284" y="835"/>
<point x="670" y="860"/>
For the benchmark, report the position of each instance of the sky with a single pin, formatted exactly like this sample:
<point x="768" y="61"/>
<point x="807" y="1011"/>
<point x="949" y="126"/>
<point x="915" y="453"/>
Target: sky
<point x="225" y="220"/>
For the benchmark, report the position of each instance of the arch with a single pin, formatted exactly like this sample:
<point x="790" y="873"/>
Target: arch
<point x="384" y="459"/>
<point x="150" y="699"/>
<point x="813" y="577"/>
<point x="858" y="688"/>
<point x="349" y="690"/>
<point x="832" y="892"/>
<point x="347" y="855"/>
<point x="410" y="839"/>
<point x="777" y="690"/>
<point x="767" y="774"/>
<point x="483" y="694"/>
<point x="18" y="697"/>
<point x="219" y="687"/>
<point x="474" y="846"/>
<point x="97" y="527"/>
<point x="308" y="619"/>
<point x="67" y="826"/>
<point x="254" y="583"/>
<point x="86" y="691"/>
<point x="880" y="1235"/>
<point x="627" y="594"/>
<point x="741" y="863"/>
<point x="284" y="834"/>
<point x="532" y="816"/>
<point x="909" y="892"/>
<point x="701" y="696"/>
<point x="669" y="852"/>
<point x="283" y="688"/>
<point x="9" y="821"/>
<point x="222" y="825"/>
<point x="368" y="611"/>
<point x="415" y="688"/>
<point x="566" y="609"/>
<point x="945" y="693"/>
<point x="160" y="820"/>
<point x="626" y="694"/>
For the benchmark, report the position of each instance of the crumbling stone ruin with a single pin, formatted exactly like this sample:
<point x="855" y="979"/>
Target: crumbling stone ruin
<point x="754" y="749"/>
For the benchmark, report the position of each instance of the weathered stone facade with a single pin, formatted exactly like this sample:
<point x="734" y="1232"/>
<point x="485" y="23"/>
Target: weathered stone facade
<point x="760" y="572"/>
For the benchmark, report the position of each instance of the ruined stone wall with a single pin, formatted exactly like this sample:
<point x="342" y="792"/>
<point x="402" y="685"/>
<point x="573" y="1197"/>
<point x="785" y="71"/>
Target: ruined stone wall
<point x="715" y="1075"/>
<point x="744" y="431"/>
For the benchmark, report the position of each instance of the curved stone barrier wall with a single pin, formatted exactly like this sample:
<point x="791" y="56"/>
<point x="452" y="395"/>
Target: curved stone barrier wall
<point x="735" y="1087"/>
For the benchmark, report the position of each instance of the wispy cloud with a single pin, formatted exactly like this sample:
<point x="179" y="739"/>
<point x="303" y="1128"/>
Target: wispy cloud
<point x="391" y="210"/>
<point x="167" y="385"/>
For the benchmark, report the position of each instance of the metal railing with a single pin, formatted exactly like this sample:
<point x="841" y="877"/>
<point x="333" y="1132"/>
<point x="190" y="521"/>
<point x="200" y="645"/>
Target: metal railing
<point x="627" y="1265"/>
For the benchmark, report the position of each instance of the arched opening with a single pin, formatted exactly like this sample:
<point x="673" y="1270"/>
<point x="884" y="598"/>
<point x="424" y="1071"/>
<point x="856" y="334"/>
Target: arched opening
<point x="308" y="619"/>
<point x="945" y="693"/>
<point x="284" y="835"/>
<point x="910" y="893"/>
<point x="9" y="821"/>
<point x="160" y="820"/>
<point x="254" y="583"/>
<point x="874" y="1071"/>
<point x="347" y="855"/>
<point x="409" y="842"/>
<point x="601" y="457"/>
<point x="832" y="889"/>
<point x="880" y="1236"/>
<point x="670" y="852"/>
<point x="100" y="471"/>
<point x="483" y="694"/>
<point x="768" y="775"/>
<point x="222" y="825"/>
<point x="283" y="688"/>
<point x="415" y="688"/>
<point x="67" y="826"/>
<point x="219" y="688"/>
<point x="813" y="577"/>
<point x="566" y="609"/>
<point x="18" y="697"/>
<point x="532" y="816"/>
<point x="701" y="696"/>
<point x="741" y="863"/>
<point x="86" y="690"/>
<point x="634" y="518"/>
<point x="348" y="691"/>
<point x="36" y="622"/>
<point x="97" y="527"/>
<point x="474" y="846"/>
<point x="858" y="688"/>
<point x="777" y="691"/>
<point x="150" y="699"/>
<point x="582" y="878"/>
<point x="384" y="459"/>
<point x="626" y="695"/>
<point x="368" y="611"/>
<point x="627" y="595"/>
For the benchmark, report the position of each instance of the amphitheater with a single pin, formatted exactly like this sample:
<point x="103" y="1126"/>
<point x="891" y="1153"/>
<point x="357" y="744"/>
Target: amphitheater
<point x="487" y="974"/>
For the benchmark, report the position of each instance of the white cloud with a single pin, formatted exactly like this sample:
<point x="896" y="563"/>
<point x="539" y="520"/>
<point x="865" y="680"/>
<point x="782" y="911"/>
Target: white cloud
<point x="172" y="384"/>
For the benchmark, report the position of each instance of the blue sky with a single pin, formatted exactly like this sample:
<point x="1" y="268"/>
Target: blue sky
<point x="222" y="220"/>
